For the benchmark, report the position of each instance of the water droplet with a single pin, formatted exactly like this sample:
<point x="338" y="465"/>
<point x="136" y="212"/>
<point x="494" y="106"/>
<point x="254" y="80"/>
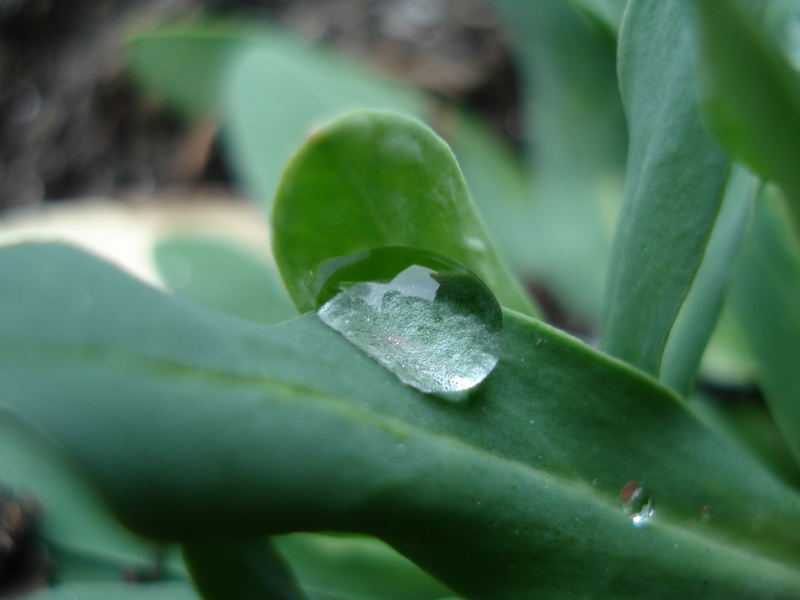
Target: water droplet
<point x="427" y="319"/>
<point x="638" y="503"/>
<point x="400" y="449"/>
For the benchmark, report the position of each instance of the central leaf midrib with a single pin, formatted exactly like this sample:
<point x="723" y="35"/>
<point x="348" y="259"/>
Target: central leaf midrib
<point x="340" y="405"/>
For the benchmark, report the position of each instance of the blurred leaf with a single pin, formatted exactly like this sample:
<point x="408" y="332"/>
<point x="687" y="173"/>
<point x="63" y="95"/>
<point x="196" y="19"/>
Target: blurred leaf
<point x="727" y="359"/>
<point x="698" y="315"/>
<point x="372" y="179"/>
<point x="76" y="526"/>
<point x="172" y="590"/>
<point x="275" y="98"/>
<point x="764" y="298"/>
<point x="356" y="566"/>
<point x="574" y="121"/>
<point x="607" y="13"/>
<point x="186" y="64"/>
<point x="751" y="95"/>
<point x="675" y="183"/>
<point x="223" y="275"/>
<point x="498" y="183"/>
<point x="240" y="428"/>
<point x="748" y="420"/>
<point x="248" y="569"/>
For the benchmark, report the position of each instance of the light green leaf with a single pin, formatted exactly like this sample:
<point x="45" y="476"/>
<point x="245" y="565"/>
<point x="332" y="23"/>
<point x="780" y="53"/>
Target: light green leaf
<point x="698" y="315"/>
<point x="675" y="183"/>
<point x="195" y="423"/>
<point x="764" y="299"/>
<point x="751" y="96"/>
<point x="575" y="124"/>
<point x="223" y="275"/>
<point x="372" y="179"/>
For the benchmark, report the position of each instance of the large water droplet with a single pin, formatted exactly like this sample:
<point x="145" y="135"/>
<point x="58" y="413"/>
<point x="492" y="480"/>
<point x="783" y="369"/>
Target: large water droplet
<point x="427" y="319"/>
<point x="638" y="503"/>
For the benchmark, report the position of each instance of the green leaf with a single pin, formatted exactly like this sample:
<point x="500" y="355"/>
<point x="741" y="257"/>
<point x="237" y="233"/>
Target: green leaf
<point x="171" y="590"/>
<point x="498" y="183"/>
<point x="194" y="423"/>
<point x="372" y="179"/>
<point x="608" y="13"/>
<point x="675" y="183"/>
<point x="357" y="567"/>
<point x="223" y="275"/>
<point x="276" y="96"/>
<point x="751" y="96"/>
<point x="578" y="158"/>
<point x="696" y="320"/>
<point x="186" y="64"/>
<point x="764" y="299"/>
<point x="250" y="569"/>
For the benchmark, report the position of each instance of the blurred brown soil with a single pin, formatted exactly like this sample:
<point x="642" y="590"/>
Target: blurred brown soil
<point x="72" y="125"/>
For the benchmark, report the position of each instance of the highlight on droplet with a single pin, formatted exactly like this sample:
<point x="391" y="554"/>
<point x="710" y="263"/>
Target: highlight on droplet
<point x="638" y="503"/>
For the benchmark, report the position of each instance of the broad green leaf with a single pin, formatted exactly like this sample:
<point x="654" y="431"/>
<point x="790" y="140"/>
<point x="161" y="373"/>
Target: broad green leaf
<point x="575" y="124"/>
<point x="764" y="298"/>
<point x="248" y="569"/>
<point x="194" y="423"/>
<point x="76" y="526"/>
<point x="675" y="182"/>
<point x="698" y="315"/>
<point x="751" y="96"/>
<point x="169" y="590"/>
<point x="223" y="275"/>
<point x="372" y="179"/>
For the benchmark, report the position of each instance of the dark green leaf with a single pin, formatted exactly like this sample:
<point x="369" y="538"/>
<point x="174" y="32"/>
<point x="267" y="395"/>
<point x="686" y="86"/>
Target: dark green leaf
<point x="247" y="569"/>
<point x="764" y="297"/>
<point x="196" y="424"/>
<point x="172" y="590"/>
<point x="223" y="275"/>
<point x="675" y="183"/>
<point x="751" y="95"/>
<point x="372" y="179"/>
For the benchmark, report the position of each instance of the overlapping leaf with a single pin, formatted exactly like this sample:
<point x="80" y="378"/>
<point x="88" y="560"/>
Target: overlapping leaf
<point x="372" y="179"/>
<point x="241" y="428"/>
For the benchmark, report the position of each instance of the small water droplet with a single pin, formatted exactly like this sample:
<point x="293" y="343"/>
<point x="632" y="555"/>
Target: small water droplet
<point x="400" y="449"/>
<point x="427" y="319"/>
<point x="638" y="503"/>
